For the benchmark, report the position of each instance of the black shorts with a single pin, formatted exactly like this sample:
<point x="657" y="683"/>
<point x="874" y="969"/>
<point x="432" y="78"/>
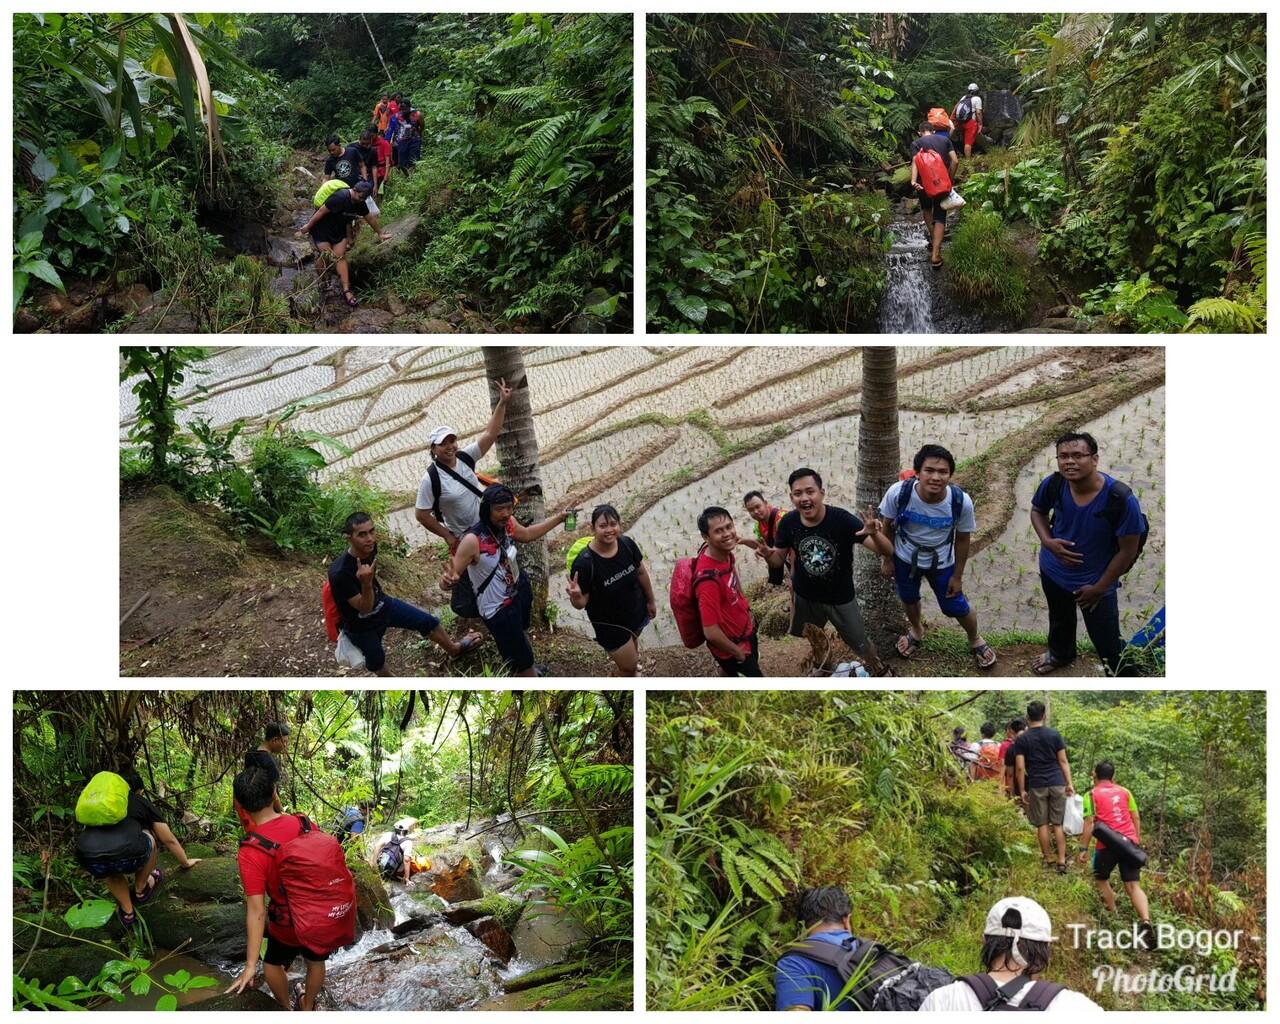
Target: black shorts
<point x="281" y="954"/>
<point x="933" y="206"/>
<point x="612" y="637"/>
<point x="331" y="230"/>
<point x="1106" y="860"/>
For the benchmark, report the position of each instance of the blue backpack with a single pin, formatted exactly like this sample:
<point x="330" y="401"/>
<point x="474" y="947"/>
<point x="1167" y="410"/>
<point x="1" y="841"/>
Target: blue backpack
<point x="900" y="520"/>
<point x="1113" y="510"/>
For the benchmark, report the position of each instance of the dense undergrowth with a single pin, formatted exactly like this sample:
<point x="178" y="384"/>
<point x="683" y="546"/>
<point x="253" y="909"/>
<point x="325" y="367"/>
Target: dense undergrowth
<point x="1139" y="160"/>
<point x="752" y="796"/>
<point x="123" y="176"/>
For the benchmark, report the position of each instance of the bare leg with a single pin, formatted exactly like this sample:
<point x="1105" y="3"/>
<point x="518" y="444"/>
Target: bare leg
<point x="1061" y="838"/>
<point x="626" y="658"/>
<point x="1042" y="834"/>
<point x="340" y="256"/>
<point x="278" y="982"/>
<point x="1139" y="900"/>
<point x="1108" y="895"/>
<point x="314" y="982"/>
<point x="144" y="874"/>
<point x="913" y="618"/>
<point x="119" y="887"/>
<point x="939" y="228"/>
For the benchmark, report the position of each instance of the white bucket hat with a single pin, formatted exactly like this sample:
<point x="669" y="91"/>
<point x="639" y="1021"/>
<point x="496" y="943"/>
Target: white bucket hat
<point x="1033" y="925"/>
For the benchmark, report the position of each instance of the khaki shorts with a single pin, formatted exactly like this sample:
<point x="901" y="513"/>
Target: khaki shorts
<point x="1047" y="806"/>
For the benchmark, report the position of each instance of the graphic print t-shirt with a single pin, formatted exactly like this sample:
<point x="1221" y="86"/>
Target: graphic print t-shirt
<point x="824" y="554"/>
<point x="1112" y="805"/>
<point x="926" y="525"/>
<point x="347" y="164"/>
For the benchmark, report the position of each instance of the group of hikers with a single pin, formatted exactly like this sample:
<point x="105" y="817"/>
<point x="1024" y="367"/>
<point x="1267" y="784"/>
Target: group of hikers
<point x="830" y="966"/>
<point x="935" y="157"/>
<point x="1090" y="526"/>
<point x="299" y="892"/>
<point x="355" y="175"/>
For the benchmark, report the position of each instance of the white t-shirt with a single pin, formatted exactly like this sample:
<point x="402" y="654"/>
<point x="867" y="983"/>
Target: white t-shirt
<point x="959" y="996"/>
<point x="927" y="525"/>
<point x="975" y="102"/>
<point x="459" y="508"/>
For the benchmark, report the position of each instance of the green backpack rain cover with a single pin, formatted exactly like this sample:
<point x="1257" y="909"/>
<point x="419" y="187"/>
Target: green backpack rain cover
<point x="326" y="190"/>
<point x="105" y="801"/>
<point x="575" y="549"/>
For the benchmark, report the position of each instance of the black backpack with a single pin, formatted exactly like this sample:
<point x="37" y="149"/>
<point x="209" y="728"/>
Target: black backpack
<point x="964" y="110"/>
<point x="884" y="977"/>
<point x="1113" y="509"/>
<point x="433" y="472"/>
<point x="101" y="844"/>
<point x="391" y="859"/>
<point x="997" y="998"/>
<point x="899" y="517"/>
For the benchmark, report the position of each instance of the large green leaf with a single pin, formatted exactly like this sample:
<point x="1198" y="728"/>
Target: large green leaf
<point x="89" y="914"/>
<point x="45" y="271"/>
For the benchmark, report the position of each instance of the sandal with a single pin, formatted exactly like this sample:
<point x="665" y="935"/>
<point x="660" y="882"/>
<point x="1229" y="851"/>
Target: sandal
<point x="468" y="643"/>
<point x="980" y="656"/>
<point x="1062" y="867"/>
<point x="153" y="883"/>
<point x="350" y="298"/>
<point x="936" y="264"/>
<point x="1044" y="665"/>
<point x="912" y="643"/>
<point x="129" y="919"/>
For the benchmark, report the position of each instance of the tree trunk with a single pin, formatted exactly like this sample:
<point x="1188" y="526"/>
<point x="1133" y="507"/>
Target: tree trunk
<point x="879" y="462"/>
<point x="518" y="454"/>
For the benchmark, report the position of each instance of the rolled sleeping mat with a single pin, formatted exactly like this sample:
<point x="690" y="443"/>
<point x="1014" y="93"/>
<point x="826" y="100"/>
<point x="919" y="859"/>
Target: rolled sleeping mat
<point x="1127" y="848"/>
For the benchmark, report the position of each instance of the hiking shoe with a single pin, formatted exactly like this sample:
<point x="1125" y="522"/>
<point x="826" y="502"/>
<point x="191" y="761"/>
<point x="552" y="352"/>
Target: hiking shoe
<point x="1146" y="936"/>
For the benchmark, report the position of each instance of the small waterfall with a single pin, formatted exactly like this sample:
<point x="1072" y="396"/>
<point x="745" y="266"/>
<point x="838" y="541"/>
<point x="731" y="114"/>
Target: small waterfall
<point x="907" y="305"/>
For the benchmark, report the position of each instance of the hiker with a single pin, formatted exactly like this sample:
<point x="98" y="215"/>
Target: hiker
<point x="353" y="162"/>
<point x="367" y="613"/>
<point x="967" y="115"/>
<point x="394" y="855"/>
<point x="829" y="961"/>
<point x="382" y="167"/>
<point x="129" y="847"/>
<point x="486" y="555"/>
<point x="990" y="764"/>
<point x="382" y="114"/>
<point x="409" y="137"/>
<point x="350" y="822"/>
<point x="275" y="740"/>
<point x="315" y="917"/>
<point x="449" y="494"/>
<point x="1091" y="531"/>
<point x="609" y="579"/>
<point x="1114" y="807"/>
<point x="1044" y="782"/>
<point x="928" y="522"/>
<point x="727" y="623"/>
<point x="963" y="751"/>
<point x="766" y="518"/>
<point x="1009" y="787"/>
<point x="328" y="229"/>
<point x="931" y="177"/>
<point x="823" y="538"/>
<point x="1016" y="946"/>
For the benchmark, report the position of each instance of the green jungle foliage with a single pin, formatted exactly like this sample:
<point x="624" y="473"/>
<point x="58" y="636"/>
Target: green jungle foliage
<point x="1139" y="158"/>
<point x="439" y="756"/>
<point x="754" y="795"/>
<point x="986" y="269"/>
<point x="124" y="175"/>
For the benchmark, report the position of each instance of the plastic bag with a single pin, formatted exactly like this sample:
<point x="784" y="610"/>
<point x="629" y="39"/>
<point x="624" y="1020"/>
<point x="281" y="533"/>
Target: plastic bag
<point x="347" y="653"/>
<point x="105" y="801"/>
<point x="953" y="201"/>
<point x="1073" y="818"/>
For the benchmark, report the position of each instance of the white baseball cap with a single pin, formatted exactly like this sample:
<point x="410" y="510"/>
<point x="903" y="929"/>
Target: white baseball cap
<point x="440" y="433"/>
<point x="1033" y="921"/>
<point x="973" y="86"/>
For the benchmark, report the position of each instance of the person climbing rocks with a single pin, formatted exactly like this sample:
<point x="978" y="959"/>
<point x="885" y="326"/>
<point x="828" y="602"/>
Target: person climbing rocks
<point x="801" y="982"/>
<point x="1044" y="781"/>
<point x="609" y="579"/>
<point x="967" y="115"/>
<point x="1114" y="806"/>
<point x="449" y="493"/>
<point x="349" y="823"/>
<point x="394" y="856"/>
<point x="1009" y="788"/>
<point x="723" y="609"/>
<point x="1017" y="942"/>
<point x="328" y="230"/>
<point x="1091" y="531"/>
<point x="382" y="114"/>
<point x="351" y="163"/>
<point x="367" y="613"/>
<point x="409" y="138"/>
<point x="766" y="518"/>
<point x="933" y="168"/>
<point x="275" y="741"/>
<point x="486" y="554"/>
<point x="111" y="853"/>
<point x="927" y="525"/>
<point x="823" y="538"/>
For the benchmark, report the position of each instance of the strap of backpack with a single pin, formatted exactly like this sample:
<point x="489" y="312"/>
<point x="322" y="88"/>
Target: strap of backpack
<point x="827" y="953"/>
<point x="989" y="995"/>
<point x="304" y="823"/>
<point x="957" y="510"/>
<point x="1117" y="503"/>
<point x="1041" y="995"/>
<point x="502" y="560"/>
<point x="462" y="480"/>
<point x="1053" y="493"/>
<point x="263" y="841"/>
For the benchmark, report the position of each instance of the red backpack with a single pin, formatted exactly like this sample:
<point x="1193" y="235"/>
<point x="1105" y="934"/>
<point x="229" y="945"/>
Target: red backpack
<point x="684" y="598"/>
<point x="332" y="619"/>
<point x="932" y="173"/>
<point x="989" y="765"/>
<point x="314" y="881"/>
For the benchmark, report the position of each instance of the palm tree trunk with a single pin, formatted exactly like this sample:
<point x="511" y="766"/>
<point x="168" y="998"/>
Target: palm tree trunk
<point x="879" y="462"/>
<point x="518" y="454"/>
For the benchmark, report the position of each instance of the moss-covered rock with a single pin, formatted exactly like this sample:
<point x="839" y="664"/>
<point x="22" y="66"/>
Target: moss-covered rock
<point x="575" y="989"/>
<point x="254" y="999"/>
<point x="55" y="963"/>
<point x="213" y="880"/>
<point x="373" y="905"/>
<point x="207" y="931"/>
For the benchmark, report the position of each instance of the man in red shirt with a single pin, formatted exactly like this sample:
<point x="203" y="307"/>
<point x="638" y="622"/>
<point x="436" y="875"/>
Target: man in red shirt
<point x="1115" y="807"/>
<point x="383" y="167"/>
<point x="254" y="790"/>
<point x="1009" y="784"/>
<point x="726" y="615"/>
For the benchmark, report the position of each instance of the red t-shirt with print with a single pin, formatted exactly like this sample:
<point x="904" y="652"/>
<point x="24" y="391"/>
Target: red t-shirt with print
<point x="721" y="601"/>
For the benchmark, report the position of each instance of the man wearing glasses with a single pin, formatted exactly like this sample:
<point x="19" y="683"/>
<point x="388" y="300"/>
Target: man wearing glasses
<point x="1091" y="530"/>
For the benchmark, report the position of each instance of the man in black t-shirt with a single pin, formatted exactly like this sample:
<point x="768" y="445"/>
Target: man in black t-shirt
<point x="330" y="229"/>
<point x="367" y="613"/>
<point x="823" y="538"/>
<point x="1044" y="778"/>
<point x="352" y="162"/>
<point x="935" y="217"/>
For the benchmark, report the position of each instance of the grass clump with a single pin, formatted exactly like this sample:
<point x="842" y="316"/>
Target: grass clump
<point x="985" y="268"/>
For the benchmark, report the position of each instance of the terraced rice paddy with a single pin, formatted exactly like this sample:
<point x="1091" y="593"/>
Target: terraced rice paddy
<point x="662" y="432"/>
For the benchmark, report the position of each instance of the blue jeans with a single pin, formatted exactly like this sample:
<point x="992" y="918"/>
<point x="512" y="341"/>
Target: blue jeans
<point x="509" y="628"/>
<point x="400" y="615"/>
<point x="909" y="589"/>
